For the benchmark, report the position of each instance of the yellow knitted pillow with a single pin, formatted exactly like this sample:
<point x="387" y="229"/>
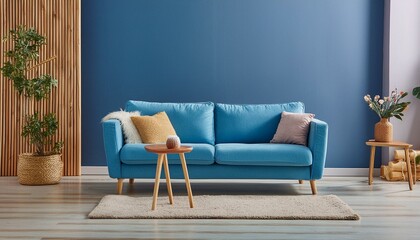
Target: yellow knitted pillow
<point x="154" y="129"/>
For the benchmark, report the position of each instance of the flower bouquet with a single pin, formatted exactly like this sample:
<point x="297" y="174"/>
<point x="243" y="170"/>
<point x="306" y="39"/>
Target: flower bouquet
<point x="386" y="108"/>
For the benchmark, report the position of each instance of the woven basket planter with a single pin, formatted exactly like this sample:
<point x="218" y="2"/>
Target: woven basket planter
<point x="39" y="170"/>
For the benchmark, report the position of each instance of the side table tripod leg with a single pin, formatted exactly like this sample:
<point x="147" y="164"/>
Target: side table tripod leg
<point x="408" y="161"/>
<point x="371" y="164"/>
<point x="168" y="179"/>
<point x="187" y="179"/>
<point x="415" y="170"/>
<point x="157" y="179"/>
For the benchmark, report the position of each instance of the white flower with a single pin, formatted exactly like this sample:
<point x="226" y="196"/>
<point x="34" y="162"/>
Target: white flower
<point x="366" y="98"/>
<point x="371" y="105"/>
<point x="381" y="101"/>
<point x="376" y="97"/>
<point x="386" y="98"/>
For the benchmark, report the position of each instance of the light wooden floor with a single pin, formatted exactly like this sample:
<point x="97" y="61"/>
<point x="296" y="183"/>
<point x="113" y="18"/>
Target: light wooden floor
<point x="388" y="211"/>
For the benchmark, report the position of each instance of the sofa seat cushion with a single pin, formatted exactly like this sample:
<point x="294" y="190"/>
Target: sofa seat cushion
<point x="263" y="154"/>
<point x="202" y="154"/>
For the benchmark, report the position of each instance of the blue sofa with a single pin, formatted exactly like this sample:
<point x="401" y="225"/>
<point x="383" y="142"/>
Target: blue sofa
<point x="229" y="142"/>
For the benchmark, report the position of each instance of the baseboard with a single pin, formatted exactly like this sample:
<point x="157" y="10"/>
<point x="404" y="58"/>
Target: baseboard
<point x="94" y="170"/>
<point x="328" y="172"/>
<point x="349" y="172"/>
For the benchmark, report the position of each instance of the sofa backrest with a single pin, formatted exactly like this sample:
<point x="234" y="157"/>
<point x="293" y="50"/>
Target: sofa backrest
<point x="193" y="122"/>
<point x="250" y="123"/>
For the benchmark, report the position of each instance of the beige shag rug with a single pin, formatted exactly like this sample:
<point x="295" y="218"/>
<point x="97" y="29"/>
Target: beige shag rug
<point x="305" y="207"/>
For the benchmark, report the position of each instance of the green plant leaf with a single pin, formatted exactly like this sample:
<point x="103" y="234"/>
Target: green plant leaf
<point x="57" y="147"/>
<point x="40" y="131"/>
<point x="416" y="92"/>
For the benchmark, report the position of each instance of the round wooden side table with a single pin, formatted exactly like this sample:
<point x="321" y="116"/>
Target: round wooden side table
<point x="162" y="151"/>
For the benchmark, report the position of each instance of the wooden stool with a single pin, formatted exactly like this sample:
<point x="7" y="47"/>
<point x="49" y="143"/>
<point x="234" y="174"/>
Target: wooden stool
<point x="373" y="144"/>
<point x="162" y="151"/>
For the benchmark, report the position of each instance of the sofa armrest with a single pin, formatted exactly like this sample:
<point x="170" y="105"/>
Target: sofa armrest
<point x="113" y="142"/>
<point x="317" y="143"/>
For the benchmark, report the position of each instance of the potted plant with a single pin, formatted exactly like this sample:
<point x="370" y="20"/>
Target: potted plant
<point x="44" y="166"/>
<point x="386" y="108"/>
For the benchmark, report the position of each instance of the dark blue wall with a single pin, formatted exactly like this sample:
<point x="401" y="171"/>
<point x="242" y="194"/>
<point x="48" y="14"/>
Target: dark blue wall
<point x="325" y="53"/>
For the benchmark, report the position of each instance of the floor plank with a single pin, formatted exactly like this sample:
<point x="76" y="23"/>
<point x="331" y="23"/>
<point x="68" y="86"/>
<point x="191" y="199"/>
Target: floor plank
<point x="388" y="211"/>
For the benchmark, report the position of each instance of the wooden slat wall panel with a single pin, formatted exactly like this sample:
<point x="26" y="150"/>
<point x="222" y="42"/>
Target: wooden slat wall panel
<point x="59" y="21"/>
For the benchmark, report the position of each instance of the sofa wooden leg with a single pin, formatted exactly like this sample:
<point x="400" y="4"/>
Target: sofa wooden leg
<point x="131" y="181"/>
<point x="313" y="187"/>
<point x="300" y="181"/>
<point x="120" y="185"/>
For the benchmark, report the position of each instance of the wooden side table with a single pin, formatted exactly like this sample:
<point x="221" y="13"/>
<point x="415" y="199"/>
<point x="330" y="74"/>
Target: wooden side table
<point x="373" y="144"/>
<point x="162" y="151"/>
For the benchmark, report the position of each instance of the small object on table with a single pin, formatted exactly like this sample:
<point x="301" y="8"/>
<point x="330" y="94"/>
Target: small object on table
<point x="162" y="151"/>
<point x="173" y="141"/>
<point x="406" y="146"/>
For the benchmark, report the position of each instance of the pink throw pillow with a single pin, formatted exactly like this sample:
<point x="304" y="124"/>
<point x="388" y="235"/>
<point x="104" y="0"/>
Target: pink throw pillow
<point x="293" y="128"/>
